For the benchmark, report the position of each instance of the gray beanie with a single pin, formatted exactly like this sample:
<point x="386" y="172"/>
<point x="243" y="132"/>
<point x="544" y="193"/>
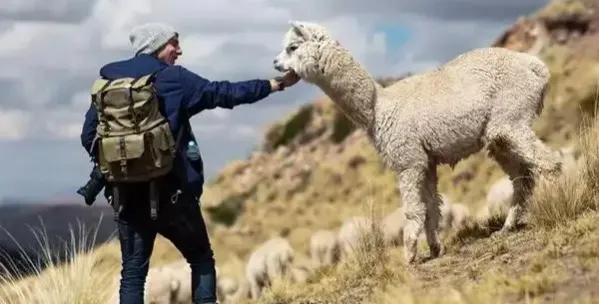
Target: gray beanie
<point x="150" y="37"/>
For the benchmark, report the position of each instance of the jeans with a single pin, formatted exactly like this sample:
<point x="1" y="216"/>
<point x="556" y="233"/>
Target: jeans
<point x="181" y="223"/>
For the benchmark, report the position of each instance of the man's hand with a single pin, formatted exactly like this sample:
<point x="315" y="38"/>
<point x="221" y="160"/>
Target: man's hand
<point x="280" y="83"/>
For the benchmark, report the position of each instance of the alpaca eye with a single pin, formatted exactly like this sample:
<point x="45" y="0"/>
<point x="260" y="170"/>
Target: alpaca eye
<point x="291" y="48"/>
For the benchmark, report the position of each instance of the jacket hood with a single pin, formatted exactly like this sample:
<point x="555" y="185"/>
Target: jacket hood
<point x="137" y="66"/>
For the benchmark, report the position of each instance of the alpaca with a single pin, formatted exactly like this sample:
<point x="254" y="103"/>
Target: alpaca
<point x="271" y="261"/>
<point x="486" y="98"/>
<point x="392" y="226"/>
<point x="226" y="287"/>
<point x="499" y="196"/>
<point x="324" y="248"/>
<point x="351" y="233"/>
<point x="453" y="215"/>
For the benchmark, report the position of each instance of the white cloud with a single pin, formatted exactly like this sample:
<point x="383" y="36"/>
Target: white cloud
<point x="13" y="124"/>
<point x="220" y="114"/>
<point x="116" y="19"/>
<point x="245" y="131"/>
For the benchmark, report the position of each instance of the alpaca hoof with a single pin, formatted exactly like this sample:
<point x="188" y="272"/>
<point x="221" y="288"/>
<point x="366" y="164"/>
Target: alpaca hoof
<point x="506" y="229"/>
<point x="437" y="251"/>
<point x="410" y="258"/>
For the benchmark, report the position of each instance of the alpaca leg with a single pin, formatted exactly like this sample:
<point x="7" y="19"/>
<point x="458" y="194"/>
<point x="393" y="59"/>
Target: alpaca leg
<point x="433" y="213"/>
<point x="255" y="289"/>
<point x="524" y="158"/>
<point x="412" y="185"/>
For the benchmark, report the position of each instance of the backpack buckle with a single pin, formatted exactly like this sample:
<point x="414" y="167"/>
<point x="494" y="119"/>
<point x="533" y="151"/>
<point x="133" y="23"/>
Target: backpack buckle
<point x="175" y="197"/>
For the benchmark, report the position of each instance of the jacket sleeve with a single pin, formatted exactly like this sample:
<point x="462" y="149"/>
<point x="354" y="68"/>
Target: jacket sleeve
<point x="201" y="94"/>
<point x="89" y="129"/>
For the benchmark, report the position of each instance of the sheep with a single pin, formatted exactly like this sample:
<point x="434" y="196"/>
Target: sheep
<point x="499" y="197"/>
<point x="167" y="284"/>
<point x="351" y="232"/>
<point x="300" y="274"/>
<point x="393" y="225"/>
<point x="324" y="248"/>
<point x="453" y="216"/>
<point x="234" y="293"/>
<point x="272" y="260"/>
<point x="485" y="98"/>
<point x="500" y="194"/>
<point x="226" y="288"/>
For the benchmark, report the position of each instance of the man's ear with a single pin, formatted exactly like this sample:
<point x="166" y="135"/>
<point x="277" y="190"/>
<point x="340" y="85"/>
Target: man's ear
<point x="300" y="29"/>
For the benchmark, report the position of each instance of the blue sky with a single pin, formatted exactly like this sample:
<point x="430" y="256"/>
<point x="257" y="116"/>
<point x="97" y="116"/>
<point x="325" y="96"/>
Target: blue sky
<point x="51" y="50"/>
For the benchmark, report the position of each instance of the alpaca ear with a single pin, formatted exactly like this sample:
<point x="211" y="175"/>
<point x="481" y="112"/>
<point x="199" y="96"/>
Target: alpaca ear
<point x="300" y="29"/>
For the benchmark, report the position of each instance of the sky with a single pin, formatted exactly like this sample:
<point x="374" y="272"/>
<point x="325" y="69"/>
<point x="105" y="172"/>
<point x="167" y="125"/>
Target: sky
<point x="51" y="51"/>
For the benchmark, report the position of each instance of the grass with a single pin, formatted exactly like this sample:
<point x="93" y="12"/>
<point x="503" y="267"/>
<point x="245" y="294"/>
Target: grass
<point x="555" y="203"/>
<point x="353" y="281"/>
<point x="77" y="275"/>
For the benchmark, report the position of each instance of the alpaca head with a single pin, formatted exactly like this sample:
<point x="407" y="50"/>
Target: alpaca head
<point x="302" y="48"/>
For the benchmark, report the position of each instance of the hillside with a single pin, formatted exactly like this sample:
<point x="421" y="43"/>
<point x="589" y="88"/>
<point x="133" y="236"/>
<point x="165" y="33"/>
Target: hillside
<point x="286" y="188"/>
<point x="314" y="170"/>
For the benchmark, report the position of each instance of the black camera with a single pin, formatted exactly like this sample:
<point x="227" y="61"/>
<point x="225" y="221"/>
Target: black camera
<point x="93" y="186"/>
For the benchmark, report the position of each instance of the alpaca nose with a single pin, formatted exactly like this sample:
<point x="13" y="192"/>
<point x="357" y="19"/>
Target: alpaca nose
<point x="275" y="61"/>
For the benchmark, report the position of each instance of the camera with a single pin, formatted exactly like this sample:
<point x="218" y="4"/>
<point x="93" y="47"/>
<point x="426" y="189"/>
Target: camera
<point x="93" y="186"/>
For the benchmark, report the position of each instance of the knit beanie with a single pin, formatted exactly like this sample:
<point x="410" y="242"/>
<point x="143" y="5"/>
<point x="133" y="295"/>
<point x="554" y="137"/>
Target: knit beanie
<point x="150" y="37"/>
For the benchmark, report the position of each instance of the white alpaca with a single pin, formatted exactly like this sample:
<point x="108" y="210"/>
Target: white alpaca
<point x="484" y="98"/>
<point x="393" y="225"/>
<point x="351" y="232"/>
<point x="324" y="248"/>
<point x="240" y="293"/>
<point x="499" y="197"/>
<point x="272" y="260"/>
<point x="453" y="216"/>
<point x="226" y="288"/>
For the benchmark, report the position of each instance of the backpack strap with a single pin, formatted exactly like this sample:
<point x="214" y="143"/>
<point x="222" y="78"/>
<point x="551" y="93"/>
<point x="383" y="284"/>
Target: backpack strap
<point x="98" y="99"/>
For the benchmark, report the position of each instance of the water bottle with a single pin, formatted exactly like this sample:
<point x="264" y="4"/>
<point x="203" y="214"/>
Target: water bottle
<point x="193" y="152"/>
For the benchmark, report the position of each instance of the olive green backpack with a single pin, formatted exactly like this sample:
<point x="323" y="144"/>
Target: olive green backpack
<point x="135" y="143"/>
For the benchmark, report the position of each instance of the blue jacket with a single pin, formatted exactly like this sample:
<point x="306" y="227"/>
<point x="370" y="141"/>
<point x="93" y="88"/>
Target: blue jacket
<point x="182" y="95"/>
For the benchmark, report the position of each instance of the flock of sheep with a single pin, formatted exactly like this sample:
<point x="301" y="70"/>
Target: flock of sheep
<point x="274" y="259"/>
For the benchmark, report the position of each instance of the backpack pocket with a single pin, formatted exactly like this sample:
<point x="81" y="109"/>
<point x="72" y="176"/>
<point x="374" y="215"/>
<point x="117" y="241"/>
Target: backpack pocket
<point x="137" y="157"/>
<point x="162" y="145"/>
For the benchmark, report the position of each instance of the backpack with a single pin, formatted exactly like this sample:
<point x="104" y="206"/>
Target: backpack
<point x="135" y="143"/>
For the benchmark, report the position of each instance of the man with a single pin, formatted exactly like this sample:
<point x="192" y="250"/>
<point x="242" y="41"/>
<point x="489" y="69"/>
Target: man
<point x="182" y="94"/>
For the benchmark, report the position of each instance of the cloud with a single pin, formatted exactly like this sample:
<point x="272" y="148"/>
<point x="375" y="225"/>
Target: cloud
<point x="47" y="10"/>
<point x="13" y="124"/>
<point x="448" y="10"/>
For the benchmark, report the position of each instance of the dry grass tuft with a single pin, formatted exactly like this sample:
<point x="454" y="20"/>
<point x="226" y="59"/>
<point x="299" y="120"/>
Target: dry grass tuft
<point x="79" y="275"/>
<point x="556" y="202"/>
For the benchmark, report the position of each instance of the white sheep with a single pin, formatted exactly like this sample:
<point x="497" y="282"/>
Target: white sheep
<point x="352" y="232"/>
<point x="324" y="248"/>
<point x="226" y="288"/>
<point x="240" y="293"/>
<point x="453" y="216"/>
<point x="499" y="197"/>
<point x="392" y="226"/>
<point x="272" y="260"/>
<point x="169" y="284"/>
<point x="483" y="98"/>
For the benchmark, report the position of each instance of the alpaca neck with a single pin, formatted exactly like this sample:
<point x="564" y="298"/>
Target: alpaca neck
<point x="349" y="85"/>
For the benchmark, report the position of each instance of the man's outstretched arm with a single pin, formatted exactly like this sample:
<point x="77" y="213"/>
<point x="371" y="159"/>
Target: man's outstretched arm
<point x="203" y="94"/>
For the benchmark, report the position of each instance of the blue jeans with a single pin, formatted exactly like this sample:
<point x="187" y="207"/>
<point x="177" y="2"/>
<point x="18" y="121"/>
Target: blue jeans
<point x="181" y="223"/>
